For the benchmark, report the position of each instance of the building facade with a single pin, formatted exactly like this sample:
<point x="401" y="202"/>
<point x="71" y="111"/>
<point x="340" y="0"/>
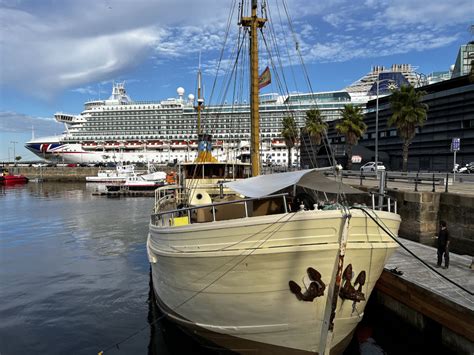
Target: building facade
<point x="450" y="115"/>
<point x="464" y="60"/>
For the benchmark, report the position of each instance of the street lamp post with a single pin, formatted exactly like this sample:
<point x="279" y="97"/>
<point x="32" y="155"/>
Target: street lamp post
<point x="377" y="130"/>
<point x="14" y="153"/>
<point x="377" y="123"/>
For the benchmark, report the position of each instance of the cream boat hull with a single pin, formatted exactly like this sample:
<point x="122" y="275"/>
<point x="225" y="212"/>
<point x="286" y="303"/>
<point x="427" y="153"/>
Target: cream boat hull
<point x="231" y="277"/>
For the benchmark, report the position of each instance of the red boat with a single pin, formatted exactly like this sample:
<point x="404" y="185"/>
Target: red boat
<point x="10" y="179"/>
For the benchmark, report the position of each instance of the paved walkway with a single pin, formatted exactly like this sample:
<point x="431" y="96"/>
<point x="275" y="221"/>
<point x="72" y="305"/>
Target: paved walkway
<point x="415" y="272"/>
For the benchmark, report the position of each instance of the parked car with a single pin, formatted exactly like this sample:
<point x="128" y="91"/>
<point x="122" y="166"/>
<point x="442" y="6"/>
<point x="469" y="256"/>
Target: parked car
<point x="370" y="167"/>
<point x="40" y="165"/>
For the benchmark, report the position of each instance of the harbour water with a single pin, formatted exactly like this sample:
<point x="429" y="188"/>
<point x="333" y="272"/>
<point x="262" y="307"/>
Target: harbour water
<point x="73" y="270"/>
<point x="74" y="278"/>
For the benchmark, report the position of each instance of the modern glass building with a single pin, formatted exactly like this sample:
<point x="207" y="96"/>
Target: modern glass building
<point x="464" y="60"/>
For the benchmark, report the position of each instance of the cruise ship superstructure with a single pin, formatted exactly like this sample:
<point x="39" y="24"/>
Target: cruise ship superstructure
<point x="121" y="130"/>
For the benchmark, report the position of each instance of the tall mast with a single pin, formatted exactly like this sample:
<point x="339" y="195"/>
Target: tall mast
<point x="254" y="23"/>
<point x="200" y="100"/>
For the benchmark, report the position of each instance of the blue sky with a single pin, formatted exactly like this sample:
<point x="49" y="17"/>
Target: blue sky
<point x="55" y="55"/>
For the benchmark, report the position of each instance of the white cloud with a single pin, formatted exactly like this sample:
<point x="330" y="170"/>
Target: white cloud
<point x="48" y="46"/>
<point x="88" y="90"/>
<point x="344" y="48"/>
<point x="434" y="13"/>
<point x="14" y="122"/>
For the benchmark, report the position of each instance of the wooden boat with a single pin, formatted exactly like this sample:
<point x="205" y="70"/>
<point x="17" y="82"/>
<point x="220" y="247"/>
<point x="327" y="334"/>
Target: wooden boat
<point x="267" y="264"/>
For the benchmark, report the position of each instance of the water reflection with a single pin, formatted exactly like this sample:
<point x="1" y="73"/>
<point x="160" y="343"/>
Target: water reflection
<point x="165" y="337"/>
<point x="73" y="270"/>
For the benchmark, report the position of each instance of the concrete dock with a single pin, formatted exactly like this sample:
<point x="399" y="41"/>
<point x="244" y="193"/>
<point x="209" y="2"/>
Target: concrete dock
<point x="426" y="300"/>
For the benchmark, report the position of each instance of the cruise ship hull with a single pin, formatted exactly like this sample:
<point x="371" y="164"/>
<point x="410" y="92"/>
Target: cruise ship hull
<point x="229" y="280"/>
<point x="75" y="153"/>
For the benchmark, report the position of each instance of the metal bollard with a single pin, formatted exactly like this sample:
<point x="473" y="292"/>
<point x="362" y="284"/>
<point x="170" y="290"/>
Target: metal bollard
<point x="446" y="184"/>
<point x="433" y="190"/>
<point x="416" y="182"/>
<point x="361" y="177"/>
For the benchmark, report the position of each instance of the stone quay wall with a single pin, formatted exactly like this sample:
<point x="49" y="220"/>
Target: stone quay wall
<point x="421" y="213"/>
<point x="59" y="174"/>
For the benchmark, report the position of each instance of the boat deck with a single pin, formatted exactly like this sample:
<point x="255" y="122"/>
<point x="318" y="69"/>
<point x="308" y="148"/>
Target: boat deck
<point x="428" y="293"/>
<point x="124" y="193"/>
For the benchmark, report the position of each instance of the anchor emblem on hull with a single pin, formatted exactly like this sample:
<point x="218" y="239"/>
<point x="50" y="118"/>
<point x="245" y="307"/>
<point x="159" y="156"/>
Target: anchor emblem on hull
<point x="349" y="291"/>
<point x="316" y="287"/>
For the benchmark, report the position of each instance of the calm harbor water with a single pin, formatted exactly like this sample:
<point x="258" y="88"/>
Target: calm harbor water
<point x="73" y="270"/>
<point x="74" y="278"/>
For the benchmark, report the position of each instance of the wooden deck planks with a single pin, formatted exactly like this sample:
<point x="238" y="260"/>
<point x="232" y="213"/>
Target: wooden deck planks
<point x="428" y="293"/>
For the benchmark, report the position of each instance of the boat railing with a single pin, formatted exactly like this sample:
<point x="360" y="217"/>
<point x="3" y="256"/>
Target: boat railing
<point x="165" y="195"/>
<point x="242" y="208"/>
<point x="185" y="215"/>
<point x="383" y="202"/>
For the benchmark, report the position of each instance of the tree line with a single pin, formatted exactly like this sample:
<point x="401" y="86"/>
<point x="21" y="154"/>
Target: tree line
<point x="408" y="113"/>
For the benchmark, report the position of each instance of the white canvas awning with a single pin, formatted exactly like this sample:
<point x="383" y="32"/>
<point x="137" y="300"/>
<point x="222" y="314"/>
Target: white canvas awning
<point x="264" y="185"/>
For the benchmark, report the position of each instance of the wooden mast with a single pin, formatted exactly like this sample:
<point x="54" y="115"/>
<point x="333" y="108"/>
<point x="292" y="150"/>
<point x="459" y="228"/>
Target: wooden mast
<point x="200" y="100"/>
<point x="254" y="23"/>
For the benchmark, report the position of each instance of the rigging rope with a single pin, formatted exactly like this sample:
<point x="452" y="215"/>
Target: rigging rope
<point x="329" y="151"/>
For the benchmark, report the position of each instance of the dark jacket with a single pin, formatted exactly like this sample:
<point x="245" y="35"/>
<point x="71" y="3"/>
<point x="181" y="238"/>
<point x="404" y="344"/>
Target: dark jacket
<point x="443" y="238"/>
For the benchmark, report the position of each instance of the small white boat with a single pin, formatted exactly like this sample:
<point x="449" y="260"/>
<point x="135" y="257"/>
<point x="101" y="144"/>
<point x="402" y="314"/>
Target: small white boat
<point x="135" y="182"/>
<point x="119" y="174"/>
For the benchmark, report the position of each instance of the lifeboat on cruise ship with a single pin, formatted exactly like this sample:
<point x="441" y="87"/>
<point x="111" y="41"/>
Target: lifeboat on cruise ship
<point x="179" y="144"/>
<point x="89" y="145"/>
<point x="154" y="144"/>
<point x="278" y="143"/>
<point x="133" y="144"/>
<point x="193" y="144"/>
<point x="111" y="144"/>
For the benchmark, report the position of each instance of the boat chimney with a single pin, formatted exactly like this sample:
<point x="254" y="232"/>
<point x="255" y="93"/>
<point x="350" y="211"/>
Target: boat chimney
<point x="205" y="149"/>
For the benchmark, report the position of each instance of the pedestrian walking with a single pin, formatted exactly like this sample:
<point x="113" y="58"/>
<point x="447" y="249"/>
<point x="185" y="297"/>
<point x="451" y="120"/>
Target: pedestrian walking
<point x="443" y="245"/>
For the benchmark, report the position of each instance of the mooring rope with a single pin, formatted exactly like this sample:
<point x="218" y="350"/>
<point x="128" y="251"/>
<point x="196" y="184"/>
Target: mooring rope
<point x="389" y="233"/>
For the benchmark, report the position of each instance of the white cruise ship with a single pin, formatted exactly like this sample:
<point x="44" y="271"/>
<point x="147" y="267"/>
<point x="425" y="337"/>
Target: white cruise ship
<point x="121" y="130"/>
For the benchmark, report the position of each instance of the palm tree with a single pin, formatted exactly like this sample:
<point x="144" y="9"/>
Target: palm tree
<point x="408" y="113"/>
<point x="352" y="126"/>
<point x="316" y="128"/>
<point x="290" y="133"/>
